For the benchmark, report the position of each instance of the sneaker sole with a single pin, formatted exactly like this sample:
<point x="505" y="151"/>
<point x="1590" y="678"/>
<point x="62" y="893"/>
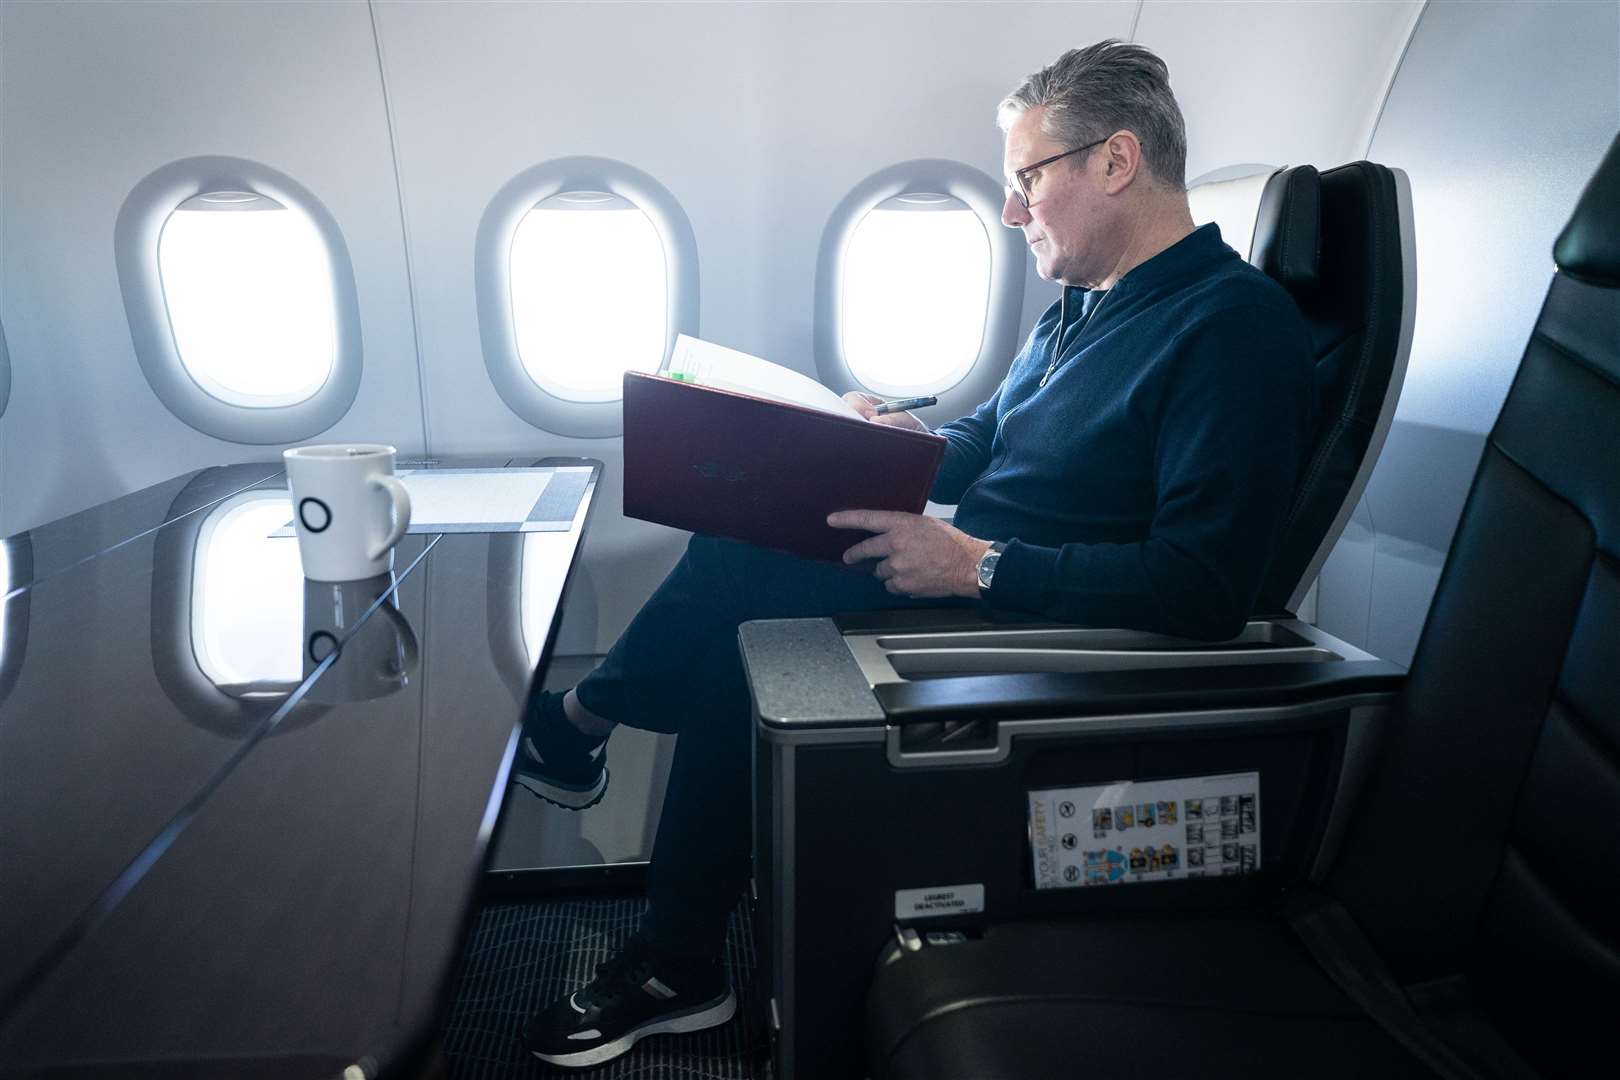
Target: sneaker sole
<point x="711" y="1014"/>
<point x="567" y="798"/>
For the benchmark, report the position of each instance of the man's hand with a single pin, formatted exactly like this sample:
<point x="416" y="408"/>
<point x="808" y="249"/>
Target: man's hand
<point x="864" y="404"/>
<point x="921" y="555"/>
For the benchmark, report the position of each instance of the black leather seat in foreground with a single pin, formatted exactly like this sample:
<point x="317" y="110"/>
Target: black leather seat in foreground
<point x="1475" y="905"/>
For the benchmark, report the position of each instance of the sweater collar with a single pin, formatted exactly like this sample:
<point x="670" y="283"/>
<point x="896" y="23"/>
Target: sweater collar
<point x="1192" y="253"/>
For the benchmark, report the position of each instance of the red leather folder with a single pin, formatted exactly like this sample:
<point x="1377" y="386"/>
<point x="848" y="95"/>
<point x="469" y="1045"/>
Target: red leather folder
<point x="714" y="461"/>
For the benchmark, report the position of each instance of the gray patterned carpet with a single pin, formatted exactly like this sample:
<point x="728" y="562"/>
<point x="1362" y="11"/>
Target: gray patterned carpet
<point x="523" y="955"/>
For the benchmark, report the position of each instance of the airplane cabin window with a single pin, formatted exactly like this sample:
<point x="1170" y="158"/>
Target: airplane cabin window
<point x="584" y="268"/>
<point x="909" y="333"/>
<point x="247" y="597"/>
<point x="1230" y="197"/>
<point x="248" y="291"/>
<point x="241" y="300"/>
<point x="589" y="299"/>
<point x="919" y="288"/>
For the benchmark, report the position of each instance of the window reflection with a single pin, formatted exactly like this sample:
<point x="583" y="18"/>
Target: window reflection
<point x="911" y="332"/>
<point x="247" y="597"/>
<point x="543" y="571"/>
<point x="5" y="601"/>
<point x="16" y="573"/>
<point x="589" y="296"/>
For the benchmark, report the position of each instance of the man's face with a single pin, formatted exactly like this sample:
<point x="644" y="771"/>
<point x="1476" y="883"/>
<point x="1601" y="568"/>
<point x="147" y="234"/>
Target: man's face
<point x="1067" y="214"/>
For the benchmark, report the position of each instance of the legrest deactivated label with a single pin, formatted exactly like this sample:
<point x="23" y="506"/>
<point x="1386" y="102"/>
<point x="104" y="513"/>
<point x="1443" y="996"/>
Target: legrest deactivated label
<point x="938" y="901"/>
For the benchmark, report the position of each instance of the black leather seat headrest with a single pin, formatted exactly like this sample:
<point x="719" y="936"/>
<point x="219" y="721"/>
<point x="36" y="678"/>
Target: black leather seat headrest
<point x="1589" y="246"/>
<point x="1288" y="229"/>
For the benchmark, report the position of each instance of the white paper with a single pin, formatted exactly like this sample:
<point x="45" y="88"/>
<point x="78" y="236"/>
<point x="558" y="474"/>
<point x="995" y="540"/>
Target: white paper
<point x="707" y="364"/>
<point x="1159" y="830"/>
<point x="496" y="497"/>
<point x="472" y="500"/>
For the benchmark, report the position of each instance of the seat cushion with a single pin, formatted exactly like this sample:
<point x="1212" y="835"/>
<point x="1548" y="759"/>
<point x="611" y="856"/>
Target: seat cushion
<point x="1212" y="996"/>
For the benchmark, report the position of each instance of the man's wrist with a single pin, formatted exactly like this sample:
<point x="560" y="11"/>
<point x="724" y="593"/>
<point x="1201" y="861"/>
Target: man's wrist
<point x="971" y="586"/>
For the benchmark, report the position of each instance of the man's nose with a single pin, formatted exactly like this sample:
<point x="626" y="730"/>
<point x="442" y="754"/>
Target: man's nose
<point x="1014" y="214"/>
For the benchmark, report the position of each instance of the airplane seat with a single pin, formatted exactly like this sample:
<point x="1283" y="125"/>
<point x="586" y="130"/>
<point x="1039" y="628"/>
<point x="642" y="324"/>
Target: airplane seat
<point x="1334" y="241"/>
<point x="1468" y="925"/>
<point x="897" y="752"/>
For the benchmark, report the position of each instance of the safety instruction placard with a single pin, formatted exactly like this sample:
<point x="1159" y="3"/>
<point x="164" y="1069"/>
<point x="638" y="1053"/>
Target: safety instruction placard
<point x="1155" y="830"/>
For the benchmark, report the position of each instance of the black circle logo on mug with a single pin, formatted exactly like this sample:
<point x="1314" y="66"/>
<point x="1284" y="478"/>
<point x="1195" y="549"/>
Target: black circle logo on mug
<point x="321" y="645"/>
<point x="315" y="515"/>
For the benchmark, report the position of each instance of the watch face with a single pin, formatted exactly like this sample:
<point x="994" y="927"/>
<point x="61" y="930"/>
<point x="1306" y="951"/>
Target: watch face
<point x="987" y="567"/>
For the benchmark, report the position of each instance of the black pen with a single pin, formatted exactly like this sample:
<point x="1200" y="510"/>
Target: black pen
<point x="904" y="404"/>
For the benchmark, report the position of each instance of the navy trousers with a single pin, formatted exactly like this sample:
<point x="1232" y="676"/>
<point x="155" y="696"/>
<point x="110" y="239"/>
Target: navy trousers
<point x="677" y="669"/>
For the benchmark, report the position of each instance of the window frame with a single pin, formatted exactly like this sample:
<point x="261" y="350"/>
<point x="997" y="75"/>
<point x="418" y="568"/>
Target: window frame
<point x="135" y="243"/>
<point x="5" y="372"/>
<point x="497" y="327"/>
<point x="1009" y="263"/>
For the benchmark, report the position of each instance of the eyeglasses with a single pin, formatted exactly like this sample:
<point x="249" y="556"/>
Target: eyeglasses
<point x="1022" y="180"/>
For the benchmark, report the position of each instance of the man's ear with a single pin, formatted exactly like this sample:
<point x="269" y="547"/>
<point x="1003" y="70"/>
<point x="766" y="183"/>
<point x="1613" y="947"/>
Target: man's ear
<point x="1122" y="159"/>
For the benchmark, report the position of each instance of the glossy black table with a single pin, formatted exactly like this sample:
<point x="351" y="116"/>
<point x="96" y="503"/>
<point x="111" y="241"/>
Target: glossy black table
<point x="244" y="815"/>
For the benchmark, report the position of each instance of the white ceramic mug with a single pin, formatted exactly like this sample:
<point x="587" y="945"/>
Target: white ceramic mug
<point x="349" y="509"/>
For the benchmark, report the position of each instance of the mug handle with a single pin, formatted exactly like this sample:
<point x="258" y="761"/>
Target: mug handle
<point x="402" y="512"/>
<point x="402" y="633"/>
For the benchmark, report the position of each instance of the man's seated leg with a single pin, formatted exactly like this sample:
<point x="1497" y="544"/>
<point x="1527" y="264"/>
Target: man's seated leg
<point x="717" y="585"/>
<point x="562" y="756"/>
<point x="677" y="668"/>
<point x="637" y="992"/>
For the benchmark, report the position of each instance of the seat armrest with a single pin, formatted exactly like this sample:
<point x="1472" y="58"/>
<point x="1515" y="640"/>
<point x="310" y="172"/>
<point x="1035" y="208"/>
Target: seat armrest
<point x="992" y="697"/>
<point x="966" y="617"/>
<point x="935" y="620"/>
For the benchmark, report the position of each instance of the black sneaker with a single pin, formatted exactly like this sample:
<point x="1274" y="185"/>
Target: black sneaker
<point x="636" y="993"/>
<point x="557" y="761"/>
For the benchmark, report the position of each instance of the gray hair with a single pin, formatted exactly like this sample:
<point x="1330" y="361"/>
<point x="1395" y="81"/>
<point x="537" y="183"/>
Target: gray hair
<point x="1090" y="93"/>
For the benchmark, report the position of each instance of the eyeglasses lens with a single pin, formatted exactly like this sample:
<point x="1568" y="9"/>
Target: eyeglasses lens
<point x="1017" y="188"/>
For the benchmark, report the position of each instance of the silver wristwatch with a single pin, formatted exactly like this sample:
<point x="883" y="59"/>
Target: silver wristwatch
<point x="987" y="564"/>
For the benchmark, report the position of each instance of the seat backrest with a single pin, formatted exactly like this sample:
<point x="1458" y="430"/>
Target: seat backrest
<point x="1486" y="847"/>
<point x="1340" y="242"/>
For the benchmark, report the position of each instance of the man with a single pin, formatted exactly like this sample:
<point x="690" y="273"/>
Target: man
<point x="1133" y="469"/>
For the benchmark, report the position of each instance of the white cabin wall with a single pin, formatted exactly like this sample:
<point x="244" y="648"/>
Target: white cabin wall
<point x="95" y="96"/>
<point x="1499" y="115"/>
<point x="1276" y="84"/>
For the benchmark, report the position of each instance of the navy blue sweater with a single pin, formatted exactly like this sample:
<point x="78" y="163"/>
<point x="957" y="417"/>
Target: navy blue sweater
<point x="1145" y="484"/>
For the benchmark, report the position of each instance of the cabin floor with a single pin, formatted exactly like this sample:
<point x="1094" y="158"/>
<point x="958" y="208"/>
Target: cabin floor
<point x="522" y="955"/>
